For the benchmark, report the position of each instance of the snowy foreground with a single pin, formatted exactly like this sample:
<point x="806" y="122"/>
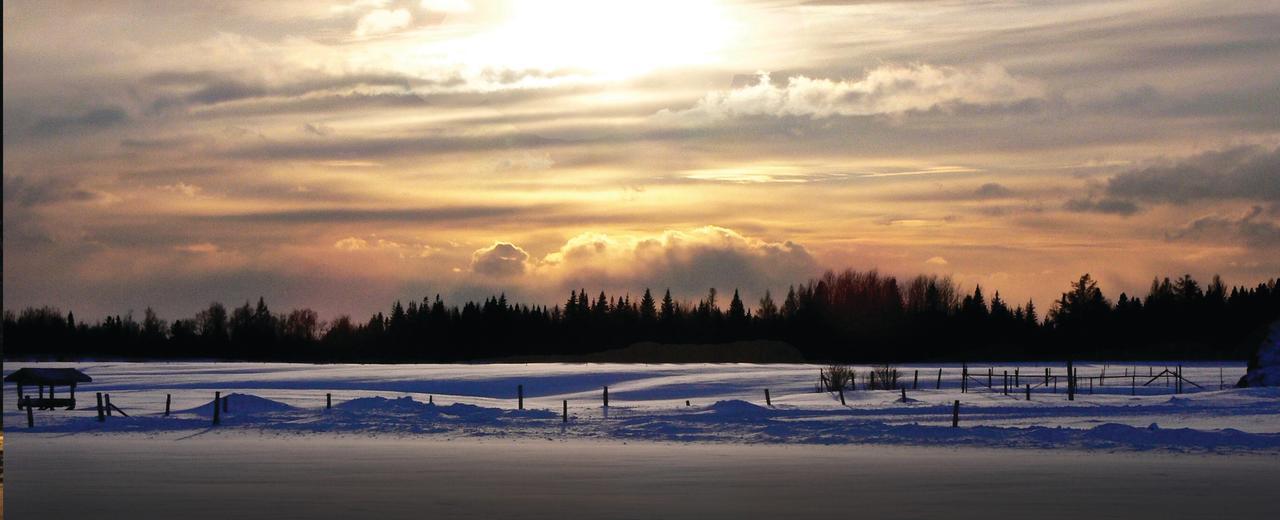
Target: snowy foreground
<point x="430" y="441"/>
<point x="221" y="476"/>
<point x="720" y="403"/>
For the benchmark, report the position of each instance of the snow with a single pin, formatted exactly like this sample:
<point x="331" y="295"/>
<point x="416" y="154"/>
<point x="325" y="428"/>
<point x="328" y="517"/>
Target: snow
<point x="648" y="403"/>
<point x="225" y="474"/>
<point x="241" y="404"/>
<point x="1268" y="371"/>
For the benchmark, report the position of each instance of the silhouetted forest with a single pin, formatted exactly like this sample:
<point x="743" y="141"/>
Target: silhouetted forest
<point x="847" y="316"/>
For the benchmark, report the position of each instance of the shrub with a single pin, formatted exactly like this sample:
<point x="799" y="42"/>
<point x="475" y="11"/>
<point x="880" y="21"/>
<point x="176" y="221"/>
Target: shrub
<point x="883" y="377"/>
<point x="836" y="377"/>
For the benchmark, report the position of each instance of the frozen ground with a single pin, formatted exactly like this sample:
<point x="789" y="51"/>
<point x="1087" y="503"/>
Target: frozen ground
<point x="225" y="475"/>
<point x="726" y="404"/>
<point x="432" y="441"/>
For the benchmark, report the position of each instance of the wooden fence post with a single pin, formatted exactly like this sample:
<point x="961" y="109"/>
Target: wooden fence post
<point x="217" y="407"/>
<point x="168" y="398"/>
<point x="964" y="378"/>
<point x="915" y="382"/>
<point x="904" y="395"/>
<point x="328" y="401"/>
<point x="1028" y="392"/>
<point x="990" y="372"/>
<point x="520" y="396"/>
<point x="106" y="399"/>
<point x="31" y="420"/>
<point x="1071" y="382"/>
<point x="606" y="396"/>
<point x="101" y="415"/>
<point x="565" y="418"/>
<point x="686" y="403"/>
<point x="1006" y="382"/>
<point x="1017" y="378"/>
<point x="939" y="385"/>
<point x="1046" y="376"/>
<point x="767" y="400"/>
<point x="842" y="396"/>
<point x="955" y="414"/>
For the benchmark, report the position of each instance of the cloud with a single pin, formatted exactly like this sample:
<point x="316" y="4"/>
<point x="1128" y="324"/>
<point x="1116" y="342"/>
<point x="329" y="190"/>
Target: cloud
<point x="417" y="215"/>
<point x="446" y="6"/>
<point x="317" y="129"/>
<point x="382" y="21"/>
<point x="686" y="261"/>
<point x="1105" y="205"/>
<point x="27" y="192"/>
<point x="351" y="244"/>
<point x="182" y="188"/>
<point x="937" y="260"/>
<point x="402" y="249"/>
<point x="502" y="259"/>
<point x="1249" y="172"/>
<point x="1248" y="228"/>
<point x="992" y="190"/>
<point x="889" y="89"/>
<point x="95" y="119"/>
<point x="199" y="248"/>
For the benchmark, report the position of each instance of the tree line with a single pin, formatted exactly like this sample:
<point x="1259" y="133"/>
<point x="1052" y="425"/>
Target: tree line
<point x="850" y="316"/>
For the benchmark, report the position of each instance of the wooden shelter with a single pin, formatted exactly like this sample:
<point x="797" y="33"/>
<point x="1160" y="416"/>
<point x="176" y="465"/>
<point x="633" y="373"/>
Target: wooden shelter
<point x="51" y="377"/>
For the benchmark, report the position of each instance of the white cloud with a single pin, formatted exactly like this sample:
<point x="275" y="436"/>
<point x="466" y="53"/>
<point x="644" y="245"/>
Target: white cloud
<point x="403" y="250"/>
<point x="381" y="21"/>
<point x="447" y="6"/>
<point x="500" y="260"/>
<point x="889" y="89"/>
<point x="686" y="261"/>
<point x="182" y="188"/>
<point x="937" y="260"/>
<point x="351" y="244"/>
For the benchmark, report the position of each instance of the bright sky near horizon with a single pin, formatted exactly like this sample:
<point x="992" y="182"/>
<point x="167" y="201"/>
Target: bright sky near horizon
<point x="342" y="155"/>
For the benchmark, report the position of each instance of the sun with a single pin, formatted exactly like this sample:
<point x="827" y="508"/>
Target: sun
<point x="604" y="39"/>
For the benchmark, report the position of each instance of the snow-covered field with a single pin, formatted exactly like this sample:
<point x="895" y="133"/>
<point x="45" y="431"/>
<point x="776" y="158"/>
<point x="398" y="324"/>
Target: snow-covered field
<point x="722" y="403"/>
<point x="447" y="441"/>
<point x="222" y="476"/>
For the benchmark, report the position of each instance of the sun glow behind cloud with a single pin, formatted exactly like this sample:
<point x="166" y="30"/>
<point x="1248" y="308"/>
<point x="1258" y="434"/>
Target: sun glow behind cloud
<point x="607" y="40"/>
<point x="287" y="151"/>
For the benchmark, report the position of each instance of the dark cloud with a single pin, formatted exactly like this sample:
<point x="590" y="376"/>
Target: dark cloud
<point x="1251" y="173"/>
<point x="502" y="259"/>
<point x="205" y="88"/>
<point x="1249" y="229"/>
<point x="389" y="147"/>
<point x="992" y="190"/>
<point x="420" y="215"/>
<point x="687" y="262"/>
<point x="1106" y="205"/>
<point x="28" y="192"/>
<point x="95" y="119"/>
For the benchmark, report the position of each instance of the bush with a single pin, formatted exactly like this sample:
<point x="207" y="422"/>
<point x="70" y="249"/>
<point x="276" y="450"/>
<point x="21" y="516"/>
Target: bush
<point x="836" y="377"/>
<point x="883" y="377"/>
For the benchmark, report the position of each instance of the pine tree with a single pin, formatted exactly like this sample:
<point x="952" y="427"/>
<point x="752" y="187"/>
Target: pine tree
<point x="737" y="311"/>
<point x="768" y="309"/>
<point x="648" y="308"/>
<point x="668" y="307"/>
<point x="791" y="305"/>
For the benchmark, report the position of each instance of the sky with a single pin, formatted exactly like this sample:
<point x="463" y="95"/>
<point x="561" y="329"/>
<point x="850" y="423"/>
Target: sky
<point x="343" y="155"/>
